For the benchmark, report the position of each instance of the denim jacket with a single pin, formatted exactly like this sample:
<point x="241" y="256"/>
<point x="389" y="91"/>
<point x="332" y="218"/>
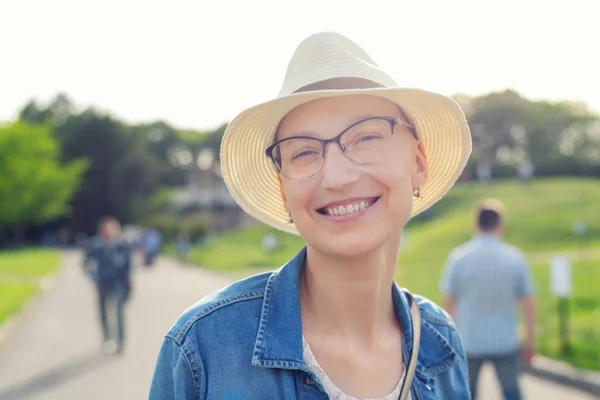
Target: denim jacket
<point x="105" y="263"/>
<point x="245" y="342"/>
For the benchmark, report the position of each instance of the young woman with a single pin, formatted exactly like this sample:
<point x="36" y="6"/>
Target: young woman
<point x="344" y="158"/>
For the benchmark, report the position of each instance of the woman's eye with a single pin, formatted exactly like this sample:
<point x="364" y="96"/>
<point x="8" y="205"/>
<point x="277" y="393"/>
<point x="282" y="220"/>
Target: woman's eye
<point x="304" y="154"/>
<point x="367" y="138"/>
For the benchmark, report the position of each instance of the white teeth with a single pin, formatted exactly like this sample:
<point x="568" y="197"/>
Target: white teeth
<point x="349" y="209"/>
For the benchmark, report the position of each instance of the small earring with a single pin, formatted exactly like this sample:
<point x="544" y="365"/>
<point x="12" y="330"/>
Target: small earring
<point x="417" y="192"/>
<point x="290" y="220"/>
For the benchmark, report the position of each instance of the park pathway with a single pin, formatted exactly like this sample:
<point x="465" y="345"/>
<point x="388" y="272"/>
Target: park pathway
<point x="54" y="350"/>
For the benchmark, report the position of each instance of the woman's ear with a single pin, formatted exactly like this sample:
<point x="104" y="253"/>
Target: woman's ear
<point x="421" y="163"/>
<point x="283" y="198"/>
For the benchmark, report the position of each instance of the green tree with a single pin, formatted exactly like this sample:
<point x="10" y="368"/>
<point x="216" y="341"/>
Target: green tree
<point x="212" y="139"/>
<point x="128" y="165"/>
<point x="492" y="119"/>
<point x="34" y="186"/>
<point x="556" y="131"/>
<point x="162" y="141"/>
<point x="56" y="112"/>
<point x="122" y="170"/>
<point x="558" y="138"/>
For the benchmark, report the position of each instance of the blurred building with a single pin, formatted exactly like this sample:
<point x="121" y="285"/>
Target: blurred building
<point x="206" y="195"/>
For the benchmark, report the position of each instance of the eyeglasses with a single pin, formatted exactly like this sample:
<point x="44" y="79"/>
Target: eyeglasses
<point x="364" y="142"/>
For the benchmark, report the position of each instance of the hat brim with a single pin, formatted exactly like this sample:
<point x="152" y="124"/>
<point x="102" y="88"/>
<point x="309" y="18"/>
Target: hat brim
<point x="251" y="176"/>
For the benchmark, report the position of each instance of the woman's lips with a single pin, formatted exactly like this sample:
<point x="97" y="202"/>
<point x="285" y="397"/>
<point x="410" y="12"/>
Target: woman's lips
<point x="347" y="207"/>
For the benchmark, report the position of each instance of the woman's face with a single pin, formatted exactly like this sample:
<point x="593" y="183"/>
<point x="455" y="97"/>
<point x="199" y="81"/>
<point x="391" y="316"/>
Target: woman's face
<point x="324" y="206"/>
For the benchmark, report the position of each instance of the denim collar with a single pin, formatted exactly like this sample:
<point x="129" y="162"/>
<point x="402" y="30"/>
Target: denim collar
<point x="279" y="339"/>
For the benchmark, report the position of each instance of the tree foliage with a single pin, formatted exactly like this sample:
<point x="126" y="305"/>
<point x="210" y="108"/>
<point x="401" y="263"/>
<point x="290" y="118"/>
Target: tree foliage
<point x="129" y="165"/>
<point x="559" y="138"/>
<point x="34" y="186"/>
<point x="131" y="169"/>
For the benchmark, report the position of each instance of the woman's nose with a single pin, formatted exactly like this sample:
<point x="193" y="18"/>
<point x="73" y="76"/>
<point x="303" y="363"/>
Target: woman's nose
<point x="338" y="171"/>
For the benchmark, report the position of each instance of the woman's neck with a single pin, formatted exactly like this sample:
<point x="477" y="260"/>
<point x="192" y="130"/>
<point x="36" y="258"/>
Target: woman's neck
<point x="350" y="298"/>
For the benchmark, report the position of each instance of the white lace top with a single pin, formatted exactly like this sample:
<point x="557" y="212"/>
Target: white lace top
<point x="331" y="389"/>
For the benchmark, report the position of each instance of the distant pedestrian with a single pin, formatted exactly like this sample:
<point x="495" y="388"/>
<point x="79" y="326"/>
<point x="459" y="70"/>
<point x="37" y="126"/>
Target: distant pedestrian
<point x="484" y="172"/>
<point x="484" y="280"/>
<point x="183" y="246"/>
<point x="151" y="246"/>
<point x="107" y="260"/>
<point x="526" y="171"/>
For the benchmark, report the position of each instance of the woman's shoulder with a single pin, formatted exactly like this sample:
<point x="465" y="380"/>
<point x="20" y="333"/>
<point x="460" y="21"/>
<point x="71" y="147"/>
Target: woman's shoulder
<point x="226" y="307"/>
<point x="433" y="312"/>
<point x="439" y="331"/>
<point x="444" y="363"/>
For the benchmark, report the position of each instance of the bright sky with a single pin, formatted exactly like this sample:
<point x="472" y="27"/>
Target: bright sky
<point x="197" y="63"/>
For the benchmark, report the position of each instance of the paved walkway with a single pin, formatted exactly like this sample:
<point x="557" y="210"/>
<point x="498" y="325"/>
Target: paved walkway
<point x="54" y="351"/>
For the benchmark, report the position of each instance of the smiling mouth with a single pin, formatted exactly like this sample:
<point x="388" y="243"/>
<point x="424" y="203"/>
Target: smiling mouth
<point x="347" y="208"/>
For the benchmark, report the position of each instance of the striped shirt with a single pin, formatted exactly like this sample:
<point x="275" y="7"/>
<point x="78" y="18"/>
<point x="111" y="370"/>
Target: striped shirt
<point x="487" y="277"/>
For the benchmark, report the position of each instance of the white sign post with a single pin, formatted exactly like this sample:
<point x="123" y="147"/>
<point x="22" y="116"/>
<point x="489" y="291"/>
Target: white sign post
<point x="561" y="287"/>
<point x="560" y="276"/>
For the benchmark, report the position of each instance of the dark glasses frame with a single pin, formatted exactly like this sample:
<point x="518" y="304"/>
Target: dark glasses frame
<point x="337" y="139"/>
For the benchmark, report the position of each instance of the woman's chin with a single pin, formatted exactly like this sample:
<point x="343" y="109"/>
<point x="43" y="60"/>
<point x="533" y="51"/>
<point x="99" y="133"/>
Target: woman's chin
<point x="348" y="246"/>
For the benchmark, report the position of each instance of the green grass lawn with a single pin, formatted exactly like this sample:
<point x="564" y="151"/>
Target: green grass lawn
<point x="539" y="220"/>
<point x="30" y="262"/>
<point x="20" y="271"/>
<point x="12" y="297"/>
<point x="242" y="251"/>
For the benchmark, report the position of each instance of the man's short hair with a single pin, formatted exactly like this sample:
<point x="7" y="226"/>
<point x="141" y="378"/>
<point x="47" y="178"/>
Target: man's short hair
<point x="489" y="215"/>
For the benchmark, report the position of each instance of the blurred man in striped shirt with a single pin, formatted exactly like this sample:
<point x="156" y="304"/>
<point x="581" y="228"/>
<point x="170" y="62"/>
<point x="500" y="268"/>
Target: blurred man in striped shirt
<point x="484" y="281"/>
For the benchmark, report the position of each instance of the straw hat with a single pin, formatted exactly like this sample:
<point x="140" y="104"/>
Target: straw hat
<point x="318" y="69"/>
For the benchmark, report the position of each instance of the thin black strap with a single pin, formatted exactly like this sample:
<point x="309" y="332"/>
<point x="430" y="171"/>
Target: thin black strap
<point x="416" y="336"/>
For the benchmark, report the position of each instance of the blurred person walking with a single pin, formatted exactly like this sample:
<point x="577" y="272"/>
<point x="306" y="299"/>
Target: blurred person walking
<point x="483" y="282"/>
<point x="183" y="246"/>
<point x="107" y="260"/>
<point x="151" y="245"/>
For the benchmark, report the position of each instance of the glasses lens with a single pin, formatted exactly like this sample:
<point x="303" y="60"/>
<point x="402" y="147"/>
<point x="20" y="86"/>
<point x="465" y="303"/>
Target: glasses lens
<point x="368" y="142"/>
<point x="299" y="158"/>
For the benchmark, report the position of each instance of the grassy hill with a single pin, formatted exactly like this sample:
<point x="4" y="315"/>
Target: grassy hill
<point x="539" y="220"/>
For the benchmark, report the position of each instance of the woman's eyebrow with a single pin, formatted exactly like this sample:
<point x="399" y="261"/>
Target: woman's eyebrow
<point x="304" y="133"/>
<point x="360" y="117"/>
